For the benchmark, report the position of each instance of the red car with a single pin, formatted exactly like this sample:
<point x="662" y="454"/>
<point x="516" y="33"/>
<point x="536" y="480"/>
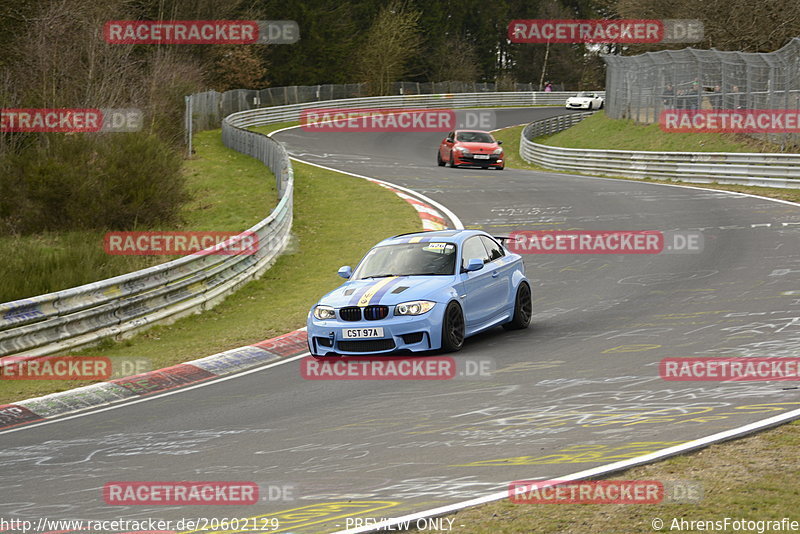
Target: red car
<point x="471" y="147"/>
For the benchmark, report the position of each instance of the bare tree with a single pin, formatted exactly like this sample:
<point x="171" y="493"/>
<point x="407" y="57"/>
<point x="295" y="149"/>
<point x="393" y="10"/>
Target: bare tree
<point x="454" y="60"/>
<point x="741" y="25"/>
<point x="392" y="40"/>
<point x="237" y="67"/>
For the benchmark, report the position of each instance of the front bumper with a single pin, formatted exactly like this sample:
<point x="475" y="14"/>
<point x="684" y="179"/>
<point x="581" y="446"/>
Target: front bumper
<point x="494" y="160"/>
<point x="400" y="333"/>
<point x="578" y="105"/>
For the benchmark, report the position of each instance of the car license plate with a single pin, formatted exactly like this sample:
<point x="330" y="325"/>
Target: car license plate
<point x="481" y="156"/>
<point x="352" y="333"/>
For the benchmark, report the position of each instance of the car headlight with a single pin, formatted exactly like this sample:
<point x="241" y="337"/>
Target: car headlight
<point x="463" y="150"/>
<point x="498" y="151"/>
<point x="324" y="312"/>
<point x="415" y="307"/>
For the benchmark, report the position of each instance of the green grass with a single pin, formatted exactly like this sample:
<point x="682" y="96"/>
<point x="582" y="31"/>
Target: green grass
<point x="510" y="138"/>
<point x="230" y="192"/>
<point x="751" y="478"/>
<point x="337" y="218"/>
<point x="600" y="132"/>
<point x="269" y="128"/>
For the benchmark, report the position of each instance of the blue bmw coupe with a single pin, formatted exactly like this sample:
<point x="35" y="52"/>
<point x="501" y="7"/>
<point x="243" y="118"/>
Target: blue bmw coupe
<point x="419" y="292"/>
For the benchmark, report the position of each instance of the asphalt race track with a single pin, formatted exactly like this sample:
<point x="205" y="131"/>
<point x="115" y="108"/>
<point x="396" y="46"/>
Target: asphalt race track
<point x="579" y="389"/>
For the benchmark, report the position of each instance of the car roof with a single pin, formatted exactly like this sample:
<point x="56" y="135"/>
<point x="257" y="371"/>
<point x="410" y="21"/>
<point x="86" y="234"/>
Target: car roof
<point x="445" y="236"/>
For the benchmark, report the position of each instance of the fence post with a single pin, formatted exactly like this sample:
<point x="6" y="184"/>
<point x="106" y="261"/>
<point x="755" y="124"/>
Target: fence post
<point x="188" y="123"/>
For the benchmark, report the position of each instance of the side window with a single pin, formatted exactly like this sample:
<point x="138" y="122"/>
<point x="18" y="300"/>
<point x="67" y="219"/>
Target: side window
<point x="495" y="250"/>
<point x="473" y="248"/>
<point x="450" y="136"/>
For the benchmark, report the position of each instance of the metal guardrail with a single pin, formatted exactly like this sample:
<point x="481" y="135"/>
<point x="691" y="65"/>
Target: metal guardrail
<point x="80" y="316"/>
<point x="755" y="169"/>
<point x="206" y="110"/>
<point x="555" y="124"/>
<point x="119" y="306"/>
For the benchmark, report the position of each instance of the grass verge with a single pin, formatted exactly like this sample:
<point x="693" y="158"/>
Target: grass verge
<point x="229" y="193"/>
<point x="599" y="132"/>
<point x="337" y="218"/>
<point x="749" y="478"/>
<point x="511" y="138"/>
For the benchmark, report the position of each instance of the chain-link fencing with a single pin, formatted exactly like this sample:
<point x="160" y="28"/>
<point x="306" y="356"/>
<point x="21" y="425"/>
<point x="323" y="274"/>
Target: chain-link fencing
<point x="641" y="87"/>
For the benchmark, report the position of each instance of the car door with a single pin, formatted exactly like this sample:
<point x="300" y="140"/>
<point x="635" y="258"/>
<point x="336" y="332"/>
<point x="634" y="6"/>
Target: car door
<point x="501" y="272"/>
<point x="480" y="296"/>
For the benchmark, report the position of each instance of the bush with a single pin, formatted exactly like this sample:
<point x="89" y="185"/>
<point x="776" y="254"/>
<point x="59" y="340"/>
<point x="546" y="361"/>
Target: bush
<point x="80" y="182"/>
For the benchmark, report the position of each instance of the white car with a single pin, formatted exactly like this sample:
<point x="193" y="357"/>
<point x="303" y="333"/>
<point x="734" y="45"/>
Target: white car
<point x="585" y="101"/>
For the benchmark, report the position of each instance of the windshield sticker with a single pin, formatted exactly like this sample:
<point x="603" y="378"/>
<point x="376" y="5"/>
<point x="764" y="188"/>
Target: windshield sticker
<point x="441" y="248"/>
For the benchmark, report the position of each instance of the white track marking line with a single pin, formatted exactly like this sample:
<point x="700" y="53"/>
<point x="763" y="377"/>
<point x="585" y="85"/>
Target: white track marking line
<point x="126" y="402"/>
<point x="595" y="471"/>
<point x="450" y="215"/>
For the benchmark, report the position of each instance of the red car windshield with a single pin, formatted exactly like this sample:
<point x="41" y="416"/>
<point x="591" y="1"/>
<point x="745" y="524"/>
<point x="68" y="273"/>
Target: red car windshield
<point x="474" y="137"/>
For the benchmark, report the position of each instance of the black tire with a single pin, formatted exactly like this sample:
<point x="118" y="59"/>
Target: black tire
<point x="522" y="309"/>
<point x="601" y="104"/>
<point x="452" y="160"/>
<point x="591" y="106"/>
<point x="501" y="168"/>
<point x="453" y="328"/>
<point x="439" y="160"/>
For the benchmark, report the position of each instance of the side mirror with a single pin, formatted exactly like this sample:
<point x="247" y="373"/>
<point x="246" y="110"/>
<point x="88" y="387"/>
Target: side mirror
<point x="499" y="142"/>
<point x="449" y="140"/>
<point x="345" y="271"/>
<point x="475" y="264"/>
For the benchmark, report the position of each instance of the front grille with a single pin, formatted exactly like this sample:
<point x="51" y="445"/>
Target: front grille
<point x="350" y="313"/>
<point x="323" y="341"/>
<point x="367" y="345"/>
<point x="408" y="339"/>
<point x="375" y="313"/>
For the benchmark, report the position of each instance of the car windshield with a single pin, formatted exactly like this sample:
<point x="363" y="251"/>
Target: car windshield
<point x="585" y="94"/>
<point x="474" y="137"/>
<point x="408" y="259"/>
